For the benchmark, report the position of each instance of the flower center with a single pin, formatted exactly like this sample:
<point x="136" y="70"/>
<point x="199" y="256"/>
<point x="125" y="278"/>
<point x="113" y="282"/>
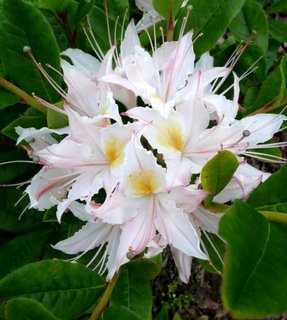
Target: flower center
<point x="171" y="136"/>
<point x="143" y="182"/>
<point x="114" y="151"/>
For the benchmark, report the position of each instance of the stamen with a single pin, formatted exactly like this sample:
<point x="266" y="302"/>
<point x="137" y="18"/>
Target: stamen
<point x="107" y="22"/>
<point x="48" y="105"/>
<point x="99" y="54"/>
<point x="123" y="25"/>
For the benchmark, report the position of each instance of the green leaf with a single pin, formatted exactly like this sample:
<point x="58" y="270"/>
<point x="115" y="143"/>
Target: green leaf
<point x="22" y="250"/>
<point x="278" y="6"/>
<point x="251" y="18"/>
<point x="66" y="289"/>
<point x="7" y="99"/>
<point x="14" y="172"/>
<point x="133" y="290"/>
<point x="211" y="18"/>
<point x="255" y="263"/>
<point x="56" y="120"/>
<point x="271" y="192"/>
<point x="216" y="250"/>
<point x="10" y="214"/>
<point x="217" y="172"/>
<point x="27" y="309"/>
<point x="278" y="30"/>
<point x="120" y="313"/>
<point x="23" y="121"/>
<point x="22" y="25"/>
<point x="163" y="7"/>
<point x="58" y="30"/>
<point x="273" y="89"/>
<point x="54" y="5"/>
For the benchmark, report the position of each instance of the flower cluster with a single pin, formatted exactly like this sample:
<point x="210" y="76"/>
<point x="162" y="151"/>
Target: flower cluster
<point x="143" y="158"/>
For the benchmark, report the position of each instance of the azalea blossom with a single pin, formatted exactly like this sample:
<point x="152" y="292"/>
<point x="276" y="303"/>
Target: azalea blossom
<point x="148" y="159"/>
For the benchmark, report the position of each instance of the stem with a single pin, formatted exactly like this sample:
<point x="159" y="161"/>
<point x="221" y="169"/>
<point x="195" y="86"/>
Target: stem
<point x="22" y="94"/>
<point x="105" y="298"/>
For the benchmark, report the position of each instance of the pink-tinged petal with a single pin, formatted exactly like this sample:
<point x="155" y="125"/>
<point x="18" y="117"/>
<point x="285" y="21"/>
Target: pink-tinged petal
<point x="39" y="138"/>
<point x="118" y="209"/>
<point x="187" y="198"/>
<point x="174" y="225"/>
<point x="69" y="154"/>
<point x="79" y="211"/>
<point x="183" y="264"/>
<point x="47" y="188"/>
<point x="90" y="236"/>
<point x="205" y="219"/>
<point x="137" y="232"/>
<point x="130" y="41"/>
<point x="261" y="127"/>
<point x="84" y="62"/>
<point x="83" y="188"/>
<point x="140" y="71"/>
<point x="83" y="130"/>
<point x="123" y="95"/>
<point x="150" y="16"/>
<point x="106" y="65"/>
<point x="246" y="178"/>
<point x="178" y="172"/>
<point x="81" y="98"/>
<point x="141" y="175"/>
<point x="222" y="109"/>
<point x="155" y="246"/>
<point x="175" y="60"/>
<point x="204" y="63"/>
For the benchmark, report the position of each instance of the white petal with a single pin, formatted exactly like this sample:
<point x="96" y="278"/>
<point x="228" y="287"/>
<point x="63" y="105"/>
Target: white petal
<point x="174" y="225"/>
<point x="183" y="264"/>
<point x="84" y="62"/>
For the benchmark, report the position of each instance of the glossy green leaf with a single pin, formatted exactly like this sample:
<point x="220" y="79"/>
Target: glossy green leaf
<point x="22" y="25"/>
<point x="278" y="30"/>
<point x="211" y="18"/>
<point x="133" y="290"/>
<point x="22" y="250"/>
<point x="58" y="29"/>
<point x="255" y="263"/>
<point x="273" y="90"/>
<point x="216" y="250"/>
<point x="7" y="99"/>
<point x="23" y="121"/>
<point x="278" y="6"/>
<point x="56" y="120"/>
<point x="54" y="5"/>
<point x="15" y="172"/>
<point x="66" y="289"/>
<point x="217" y="172"/>
<point x="271" y="192"/>
<point x="120" y="313"/>
<point x="27" y="309"/>
<point x="251" y="18"/>
<point x="10" y="213"/>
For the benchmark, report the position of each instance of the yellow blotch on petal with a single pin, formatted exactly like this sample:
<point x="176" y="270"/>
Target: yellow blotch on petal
<point x="143" y="182"/>
<point x="171" y="136"/>
<point x="114" y="151"/>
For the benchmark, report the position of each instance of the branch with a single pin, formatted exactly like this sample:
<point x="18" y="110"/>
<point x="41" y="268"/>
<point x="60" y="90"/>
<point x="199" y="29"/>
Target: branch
<point x="105" y="298"/>
<point x="22" y="94"/>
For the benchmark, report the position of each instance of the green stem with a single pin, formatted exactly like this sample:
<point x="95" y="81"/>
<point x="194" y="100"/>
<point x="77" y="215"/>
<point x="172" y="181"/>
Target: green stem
<point x="105" y="298"/>
<point x="22" y="94"/>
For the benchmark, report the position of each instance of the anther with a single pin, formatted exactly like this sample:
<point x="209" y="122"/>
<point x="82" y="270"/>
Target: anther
<point x="27" y="49"/>
<point x="246" y="133"/>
